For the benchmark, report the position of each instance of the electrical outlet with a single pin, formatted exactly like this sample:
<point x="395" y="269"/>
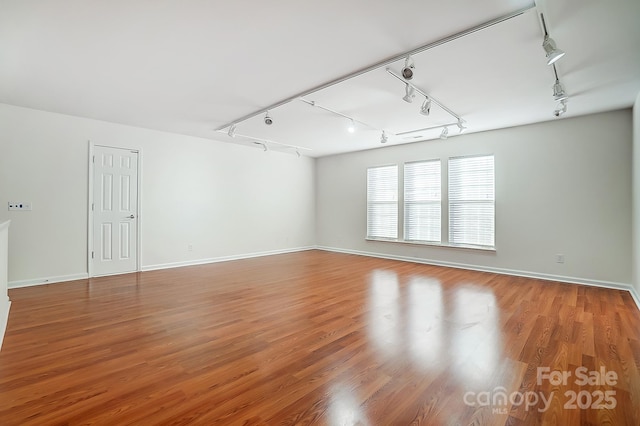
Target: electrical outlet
<point x="25" y="205"/>
<point x="559" y="258"/>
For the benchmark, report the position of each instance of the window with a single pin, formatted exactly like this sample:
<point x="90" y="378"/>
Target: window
<point x="422" y="201"/>
<point x="382" y="202"/>
<point x="472" y="201"/>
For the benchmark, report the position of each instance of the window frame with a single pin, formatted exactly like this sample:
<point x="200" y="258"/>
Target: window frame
<point x="445" y="207"/>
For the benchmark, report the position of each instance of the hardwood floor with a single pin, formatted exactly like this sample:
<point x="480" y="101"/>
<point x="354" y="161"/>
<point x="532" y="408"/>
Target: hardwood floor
<point x="319" y="338"/>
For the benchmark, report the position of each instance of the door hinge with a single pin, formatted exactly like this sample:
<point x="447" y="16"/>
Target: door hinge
<point x="93" y="206"/>
<point x="93" y="159"/>
<point x="92" y="255"/>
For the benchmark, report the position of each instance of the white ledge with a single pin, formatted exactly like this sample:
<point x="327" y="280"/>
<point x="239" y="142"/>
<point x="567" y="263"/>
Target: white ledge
<point x="491" y="249"/>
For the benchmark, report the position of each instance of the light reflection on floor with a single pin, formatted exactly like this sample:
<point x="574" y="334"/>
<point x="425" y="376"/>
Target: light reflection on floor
<point x="344" y="407"/>
<point x="475" y="343"/>
<point x="384" y="313"/>
<point x="424" y="322"/>
<point x="419" y="321"/>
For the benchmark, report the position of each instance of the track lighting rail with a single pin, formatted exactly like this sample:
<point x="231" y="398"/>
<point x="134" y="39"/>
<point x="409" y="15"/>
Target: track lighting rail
<point x="383" y="63"/>
<point x="440" y="126"/>
<point x="317" y="105"/>
<point x="263" y="141"/>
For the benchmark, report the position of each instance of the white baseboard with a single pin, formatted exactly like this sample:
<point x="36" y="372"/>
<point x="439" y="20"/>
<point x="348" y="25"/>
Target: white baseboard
<point x="224" y="258"/>
<point x="84" y="276"/>
<point x="526" y="274"/>
<point x="4" y="319"/>
<point x="634" y="295"/>
<point x="49" y="280"/>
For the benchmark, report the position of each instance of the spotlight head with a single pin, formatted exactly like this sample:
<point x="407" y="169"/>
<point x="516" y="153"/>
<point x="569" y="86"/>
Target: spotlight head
<point x="232" y="131"/>
<point x="461" y="126"/>
<point x="426" y="107"/>
<point x="558" y="91"/>
<point x="352" y="127"/>
<point x="410" y="93"/>
<point x="407" y="73"/>
<point x="562" y="108"/>
<point x="407" y="70"/>
<point x="552" y="51"/>
<point x="383" y="137"/>
<point x="445" y="133"/>
<point x="268" y="120"/>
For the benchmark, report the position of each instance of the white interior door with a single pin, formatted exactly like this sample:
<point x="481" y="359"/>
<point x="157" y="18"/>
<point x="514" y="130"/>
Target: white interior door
<point x="115" y="211"/>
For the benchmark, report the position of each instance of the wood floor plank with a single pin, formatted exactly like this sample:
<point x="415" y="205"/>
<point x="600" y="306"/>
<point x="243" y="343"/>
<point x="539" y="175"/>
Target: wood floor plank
<point x="318" y="338"/>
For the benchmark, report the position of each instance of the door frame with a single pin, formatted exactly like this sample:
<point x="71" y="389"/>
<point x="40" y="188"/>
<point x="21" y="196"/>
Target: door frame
<point x="90" y="215"/>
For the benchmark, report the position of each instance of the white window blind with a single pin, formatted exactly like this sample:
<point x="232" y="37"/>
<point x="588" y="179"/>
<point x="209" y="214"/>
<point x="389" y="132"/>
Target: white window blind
<point x="422" y="201"/>
<point x="472" y="201"/>
<point x="382" y="202"/>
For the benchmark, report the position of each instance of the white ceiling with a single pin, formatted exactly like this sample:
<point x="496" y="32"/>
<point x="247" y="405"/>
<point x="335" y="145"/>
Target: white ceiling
<point x="191" y="67"/>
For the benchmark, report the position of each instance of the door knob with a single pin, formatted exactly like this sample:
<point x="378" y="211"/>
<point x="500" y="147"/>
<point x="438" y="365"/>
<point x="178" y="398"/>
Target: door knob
<point x="131" y="217"/>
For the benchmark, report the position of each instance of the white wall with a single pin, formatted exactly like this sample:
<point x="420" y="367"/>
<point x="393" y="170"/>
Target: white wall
<point x="636" y="196"/>
<point x="5" y="303"/>
<point x="562" y="187"/>
<point x="224" y="199"/>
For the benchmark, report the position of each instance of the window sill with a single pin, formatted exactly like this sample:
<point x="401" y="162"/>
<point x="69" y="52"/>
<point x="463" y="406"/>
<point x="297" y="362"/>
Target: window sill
<point x="430" y="244"/>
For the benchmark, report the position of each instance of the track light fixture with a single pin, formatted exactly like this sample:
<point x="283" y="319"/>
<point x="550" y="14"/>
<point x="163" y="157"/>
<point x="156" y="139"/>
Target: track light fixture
<point x="461" y="126"/>
<point x="232" y="131"/>
<point x="425" y="109"/>
<point x="549" y="45"/>
<point x="558" y="91"/>
<point x="383" y="137"/>
<point x="411" y="90"/>
<point x="445" y="133"/>
<point x="409" y="66"/>
<point x="268" y="120"/>
<point x="553" y="53"/>
<point x="410" y="93"/>
<point x="562" y="108"/>
<point x="559" y="94"/>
